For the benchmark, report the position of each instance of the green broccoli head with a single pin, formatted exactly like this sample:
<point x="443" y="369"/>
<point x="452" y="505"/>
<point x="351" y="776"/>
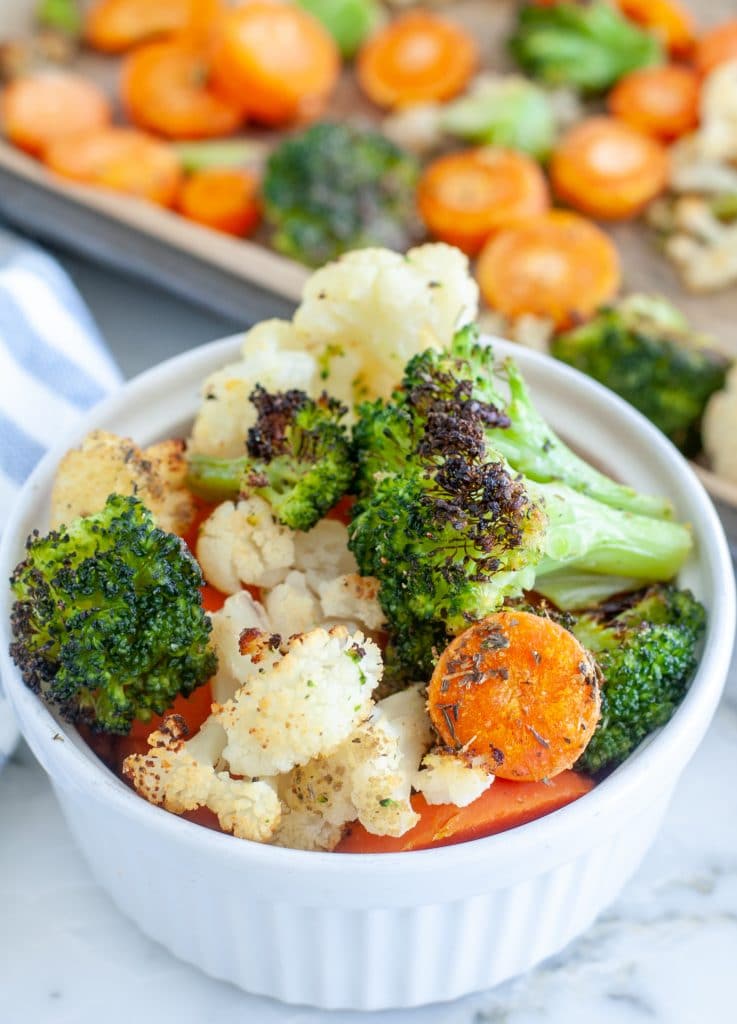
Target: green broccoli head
<point x="300" y="459"/>
<point x="646" y="647"/>
<point x="643" y="349"/>
<point x="334" y="188"/>
<point x="108" y="621"/>
<point x="589" y="46"/>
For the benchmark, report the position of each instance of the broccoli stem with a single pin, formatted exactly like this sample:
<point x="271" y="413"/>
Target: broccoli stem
<point x="216" y="479"/>
<point x="570" y="589"/>
<point x="587" y="535"/>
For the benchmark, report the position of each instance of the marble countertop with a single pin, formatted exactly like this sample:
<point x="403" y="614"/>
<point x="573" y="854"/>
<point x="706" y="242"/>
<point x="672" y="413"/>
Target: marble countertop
<point x="665" y="952"/>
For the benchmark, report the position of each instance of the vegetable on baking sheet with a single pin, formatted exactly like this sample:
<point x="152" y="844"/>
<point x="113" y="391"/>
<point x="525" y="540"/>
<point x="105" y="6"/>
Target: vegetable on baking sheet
<point x="225" y="199"/>
<point x="121" y="159"/>
<point x="275" y="61"/>
<point x="608" y="170"/>
<point x="466" y="197"/>
<point x="645" y="350"/>
<point x="662" y="102"/>
<point x="165" y="88"/>
<point x="113" y="26"/>
<point x="559" y="265"/>
<point x="503" y="806"/>
<point x="419" y="56"/>
<point x="668" y="19"/>
<point x="589" y="46"/>
<point x="519" y="692"/>
<point x="45" y="106"/>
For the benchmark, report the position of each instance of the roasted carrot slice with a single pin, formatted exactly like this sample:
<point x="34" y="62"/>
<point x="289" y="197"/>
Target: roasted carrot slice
<point x="223" y="199"/>
<point x="464" y="198"/>
<point x="418" y="57"/>
<point x="559" y="266"/>
<point x="662" y="102"/>
<point x="716" y="47"/>
<point x="668" y="19"/>
<point x="193" y="709"/>
<point x="40" y="108"/>
<point x="505" y="805"/>
<point x="519" y="692"/>
<point x="121" y="159"/>
<point x="114" y="26"/>
<point x="275" y="61"/>
<point x="165" y="89"/>
<point x="607" y="169"/>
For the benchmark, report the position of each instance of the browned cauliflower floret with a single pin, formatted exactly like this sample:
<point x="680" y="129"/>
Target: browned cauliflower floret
<point x="241" y="543"/>
<point x="352" y="597"/>
<point x="447" y="778"/>
<point x="240" y="614"/>
<point x="298" y="699"/>
<point x="181" y="775"/>
<point x="106" y="464"/>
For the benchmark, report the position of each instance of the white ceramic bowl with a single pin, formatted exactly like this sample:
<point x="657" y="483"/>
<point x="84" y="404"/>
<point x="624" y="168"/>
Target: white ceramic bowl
<point x="372" y="931"/>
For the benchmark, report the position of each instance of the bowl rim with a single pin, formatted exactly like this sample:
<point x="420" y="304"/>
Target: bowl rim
<point x="68" y="766"/>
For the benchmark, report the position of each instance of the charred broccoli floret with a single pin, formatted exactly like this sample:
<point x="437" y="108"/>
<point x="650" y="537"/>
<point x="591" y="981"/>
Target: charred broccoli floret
<point x="589" y="46"/>
<point x="335" y="188"/>
<point x="646" y="648"/>
<point x="643" y="349"/>
<point x="108" y="621"/>
<point x="451" y="530"/>
<point x="299" y="459"/>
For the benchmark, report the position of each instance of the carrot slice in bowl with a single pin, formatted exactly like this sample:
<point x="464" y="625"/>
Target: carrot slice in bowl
<point x="224" y="199"/>
<point x="465" y="197"/>
<point x="662" y="102"/>
<point x="120" y="159"/>
<point x="275" y="61"/>
<point x="607" y="169"/>
<point x="417" y="57"/>
<point x="165" y="89"/>
<point x="40" y="108"/>
<point x="559" y="266"/>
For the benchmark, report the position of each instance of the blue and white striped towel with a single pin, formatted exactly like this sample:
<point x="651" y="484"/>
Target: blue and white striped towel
<point x="53" y="365"/>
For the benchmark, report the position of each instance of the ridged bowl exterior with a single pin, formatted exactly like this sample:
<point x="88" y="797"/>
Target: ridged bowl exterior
<point x="371" y="931"/>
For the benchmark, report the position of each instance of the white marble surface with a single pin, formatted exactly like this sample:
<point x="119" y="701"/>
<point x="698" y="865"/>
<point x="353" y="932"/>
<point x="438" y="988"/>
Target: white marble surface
<point x="665" y="952"/>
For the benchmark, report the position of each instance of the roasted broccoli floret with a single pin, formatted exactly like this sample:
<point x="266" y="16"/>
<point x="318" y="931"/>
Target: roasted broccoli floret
<point x="646" y="648"/>
<point x="299" y="459"/>
<point x="451" y="530"/>
<point x="643" y="349"/>
<point x="586" y="45"/>
<point x="335" y="188"/>
<point x="108" y="621"/>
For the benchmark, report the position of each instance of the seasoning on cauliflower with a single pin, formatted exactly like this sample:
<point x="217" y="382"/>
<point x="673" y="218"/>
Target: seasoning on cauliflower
<point x="181" y="775"/>
<point x="446" y="778"/>
<point x="241" y="543"/>
<point x="352" y="597"/>
<point x="719" y="429"/>
<point x="106" y="464"/>
<point x="298" y="698"/>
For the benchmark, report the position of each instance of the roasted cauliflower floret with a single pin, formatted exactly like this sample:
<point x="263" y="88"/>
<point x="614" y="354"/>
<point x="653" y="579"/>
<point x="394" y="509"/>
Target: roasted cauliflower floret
<point x="181" y="775"/>
<point x="719" y="429"/>
<point x="271" y="356"/>
<point x="352" y="597"/>
<point x="106" y="464"/>
<point x="292" y="606"/>
<point x="298" y="699"/>
<point x="446" y="778"/>
<point x="322" y="554"/>
<point x="368" y="777"/>
<point x="240" y="614"/>
<point x="241" y="542"/>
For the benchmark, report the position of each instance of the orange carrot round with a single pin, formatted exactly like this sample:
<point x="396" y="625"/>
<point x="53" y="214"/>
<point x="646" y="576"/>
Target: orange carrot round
<point x="114" y="26"/>
<point x="275" y="61"/>
<point x="465" y="197"/>
<point x="164" y="88"/>
<point x="505" y="805"/>
<point x="716" y="47"/>
<point x="518" y="691"/>
<point x="668" y="19"/>
<point x="417" y="57"/>
<point x="559" y="266"/>
<point x="40" y="108"/>
<point x="660" y="101"/>
<point x="120" y="159"/>
<point x="607" y="169"/>
<point x="224" y="199"/>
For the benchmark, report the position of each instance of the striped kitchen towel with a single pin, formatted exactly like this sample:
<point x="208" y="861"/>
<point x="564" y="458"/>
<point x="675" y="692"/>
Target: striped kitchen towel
<point x="53" y="365"/>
